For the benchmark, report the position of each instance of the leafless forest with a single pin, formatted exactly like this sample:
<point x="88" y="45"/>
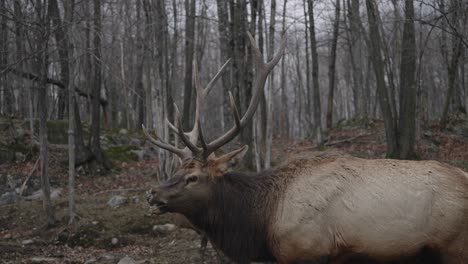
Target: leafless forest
<point x="119" y="65"/>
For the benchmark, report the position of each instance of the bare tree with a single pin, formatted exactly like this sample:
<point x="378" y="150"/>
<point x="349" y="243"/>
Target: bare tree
<point x="270" y="87"/>
<point x="94" y="141"/>
<point x="315" y="76"/>
<point x="68" y="19"/>
<point x="457" y="19"/>
<point x="190" y="9"/>
<point x="331" y="66"/>
<point x="42" y="64"/>
<point x="62" y="43"/>
<point x="5" y="87"/>
<point x="407" y="118"/>
<point x="378" y="65"/>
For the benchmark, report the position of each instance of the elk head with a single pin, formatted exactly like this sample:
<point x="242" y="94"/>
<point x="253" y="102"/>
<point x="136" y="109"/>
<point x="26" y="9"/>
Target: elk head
<point x="190" y="186"/>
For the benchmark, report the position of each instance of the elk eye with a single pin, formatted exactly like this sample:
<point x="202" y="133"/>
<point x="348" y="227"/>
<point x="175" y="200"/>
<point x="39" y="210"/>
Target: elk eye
<point x="192" y="178"/>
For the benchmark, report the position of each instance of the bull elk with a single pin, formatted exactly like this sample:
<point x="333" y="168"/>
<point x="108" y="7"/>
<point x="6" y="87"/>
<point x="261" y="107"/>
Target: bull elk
<point x="314" y="207"/>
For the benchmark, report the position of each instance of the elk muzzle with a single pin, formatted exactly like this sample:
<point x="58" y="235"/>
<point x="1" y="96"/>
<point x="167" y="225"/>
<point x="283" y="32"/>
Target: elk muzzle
<point x="157" y="203"/>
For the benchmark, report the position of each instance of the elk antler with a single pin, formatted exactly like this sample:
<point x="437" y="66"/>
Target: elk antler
<point x="262" y="71"/>
<point x="191" y="138"/>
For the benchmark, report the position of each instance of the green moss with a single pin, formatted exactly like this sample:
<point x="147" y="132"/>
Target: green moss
<point x="362" y="122"/>
<point x="121" y="153"/>
<point x="57" y="131"/>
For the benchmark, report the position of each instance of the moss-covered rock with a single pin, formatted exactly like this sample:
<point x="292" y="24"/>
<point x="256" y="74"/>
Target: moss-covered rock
<point x="121" y="153"/>
<point x="57" y="130"/>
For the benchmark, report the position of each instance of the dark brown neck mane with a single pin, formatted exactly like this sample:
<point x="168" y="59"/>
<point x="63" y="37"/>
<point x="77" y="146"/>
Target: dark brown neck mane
<point x="239" y="214"/>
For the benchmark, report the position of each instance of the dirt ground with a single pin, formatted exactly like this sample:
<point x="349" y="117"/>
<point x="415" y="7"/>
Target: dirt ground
<point x="105" y="235"/>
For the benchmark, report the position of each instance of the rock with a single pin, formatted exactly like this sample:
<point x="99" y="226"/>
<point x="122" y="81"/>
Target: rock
<point x="91" y="261"/>
<point x="27" y="242"/>
<point x="123" y="132"/>
<point x="117" y="201"/>
<point x="20" y="157"/>
<point x="9" y="198"/>
<point x="37" y="195"/>
<point x="135" y="199"/>
<point x="127" y="260"/>
<point x="114" y="241"/>
<point x="105" y="142"/>
<point x="43" y="260"/>
<point x="135" y="142"/>
<point x="166" y="228"/>
<point x="104" y="259"/>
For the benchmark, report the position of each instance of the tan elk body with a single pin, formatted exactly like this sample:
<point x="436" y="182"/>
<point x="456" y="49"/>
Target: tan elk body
<point x="315" y="207"/>
<point x="383" y="209"/>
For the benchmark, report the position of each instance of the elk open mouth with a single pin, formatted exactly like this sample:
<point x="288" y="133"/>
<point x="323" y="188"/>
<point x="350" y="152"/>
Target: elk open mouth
<point x="158" y="208"/>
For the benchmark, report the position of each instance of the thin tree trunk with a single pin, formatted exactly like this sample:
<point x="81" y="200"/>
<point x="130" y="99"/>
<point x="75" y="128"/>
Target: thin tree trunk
<point x="284" y="98"/>
<point x="68" y="19"/>
<point x="95" y="144"/>
<point x="41" y="67"/>
<point x="5" y="86"/>
<point x="308" y="83"/>
<point x="315" y="77"/>
<point x="407" y="118"/>
<point x="225" y="47"/>
<point x="62" y="44"/>
<point x="269" y="97"/>
<point x="189" y="50"/>
<point x="26" y="94"/>
<point x="331" y="66"/>
<point x="452" y="75"/>
<point x="378" y="65"/>
<point x="124" y="87"/>
<point x="355" y="45"/>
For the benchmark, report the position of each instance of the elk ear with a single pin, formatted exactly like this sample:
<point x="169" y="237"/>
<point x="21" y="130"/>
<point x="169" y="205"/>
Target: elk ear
<point x="224" y="163"/>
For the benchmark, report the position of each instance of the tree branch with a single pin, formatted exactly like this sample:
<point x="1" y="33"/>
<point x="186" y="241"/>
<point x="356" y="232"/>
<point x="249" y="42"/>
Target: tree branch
<point x="55" y="82"/>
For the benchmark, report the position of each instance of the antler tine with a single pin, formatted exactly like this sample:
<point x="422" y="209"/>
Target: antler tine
<point x="271" y="64"/>
<point x="188" y="143"/>
<point x="235" y="111"/>
<point x="216" y="77"/>
<point x="160" y="143"/>
<point x="171" y="126"/>
<point x="262" y="71"/>
<point x="202" y="138"/>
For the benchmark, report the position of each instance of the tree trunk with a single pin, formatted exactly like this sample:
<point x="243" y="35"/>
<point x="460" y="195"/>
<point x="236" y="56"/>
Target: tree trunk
<point x="95" y="144"/>
<point x="225" y="46"/>
<point x="68" y="19"/>
<point x="62" y="45"/>
<point x="331" y="66"/>
<point x="308" y="83"/>
<point x="315" y="77"/>
<point x="25" y="94"/>
<point x="284" y="99"/>
<point x="407" y="118"/>
<point x="5" y="86"/>
<point x="452" y="65"/>
<point x="378" y="65"/>
<point x="269" y="93"/>
<point x="41" y="67"/>
<point x="189" y="50"/>
<point x="452" y="75"/>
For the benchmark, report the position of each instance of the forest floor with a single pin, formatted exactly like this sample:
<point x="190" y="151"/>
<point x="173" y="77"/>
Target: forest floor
<point x="106" y="235"/>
